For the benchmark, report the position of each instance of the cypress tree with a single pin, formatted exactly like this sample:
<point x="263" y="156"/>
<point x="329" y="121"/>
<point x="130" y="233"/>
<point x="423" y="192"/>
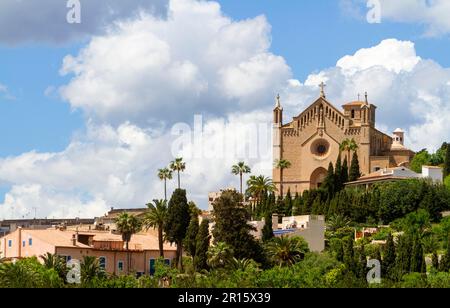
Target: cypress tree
<point x="349" y="254"/>
<point x="267" y="231"/>
<point x="202" y="245"/>
<point x="178" y="217"/>
<point x="445" y="262"/>
<point x="435" y="261"/>
<point x="316" y="206"/>
<point x="403" y="260"/>
<point x="288" y="204"/>
<point x="338" y="173"/>
<point x="339" y="250"/>
<point x="190" y="240"/>
<point x="389" y="257"/>
<point x="417" y="257"/>
<point x="362" y="263"/>
<point x="344" y="172"/>
<point x="329" y="184"/>
<point x="355" y="172"/>
<point x="447" y="161"/>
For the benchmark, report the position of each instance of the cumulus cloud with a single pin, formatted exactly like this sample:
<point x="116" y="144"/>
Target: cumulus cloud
<point x="196" y="60"/>
<point x="144" y="74"/>
<point x="410" y="92"/>
<point x="110" y="166"/>
<point x="45" y="20"/>
<point x="432" y="14"/>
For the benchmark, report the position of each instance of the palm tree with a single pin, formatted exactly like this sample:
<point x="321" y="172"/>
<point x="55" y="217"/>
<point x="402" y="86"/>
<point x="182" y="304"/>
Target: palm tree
<point x="348" y="145"/>
<point x="219" y="255"/>
<point x="127" y="225"/>
<point x="242" y="264"/>
<point x="53" y="261"/>
<point x="240" y="169"/>
<point x="286" y="251"/>
<point x="164" y="175"/>
<point x="282" y="164"/>
<point x="155" y="217"/>
<point x="337" y="222"/>
<point x="91" y="269"/>
<point x="258" y="185"/>
<point x="178" y="165"/>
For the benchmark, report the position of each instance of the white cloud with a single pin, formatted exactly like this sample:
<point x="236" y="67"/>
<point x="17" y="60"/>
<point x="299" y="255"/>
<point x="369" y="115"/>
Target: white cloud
<point x="196" y="60"/>
<point x="45" y="20"/>
<point x="432" y="14"/>
<point x="394" y="55"/>
<point x="199" y="61"/>
<point x="410" y="92"/>
<point x="5" y="93"/>
<point x="117" y="167"/>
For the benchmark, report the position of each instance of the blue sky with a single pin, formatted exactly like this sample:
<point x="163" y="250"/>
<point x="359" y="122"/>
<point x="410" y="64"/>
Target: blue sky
<point x="310" y="36"/>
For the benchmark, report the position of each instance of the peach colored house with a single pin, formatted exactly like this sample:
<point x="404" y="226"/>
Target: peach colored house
<point x="107" y="247"/>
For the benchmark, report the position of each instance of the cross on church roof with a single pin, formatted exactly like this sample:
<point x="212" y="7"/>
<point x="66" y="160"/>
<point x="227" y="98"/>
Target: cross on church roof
<point x="322" y="89"/>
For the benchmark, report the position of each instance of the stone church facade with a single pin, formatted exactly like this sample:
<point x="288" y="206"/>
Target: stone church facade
<point x="312" y="140"/>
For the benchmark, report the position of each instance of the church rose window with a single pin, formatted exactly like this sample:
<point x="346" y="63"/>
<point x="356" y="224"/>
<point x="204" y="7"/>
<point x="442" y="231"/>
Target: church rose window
<point x="320" y="147"/>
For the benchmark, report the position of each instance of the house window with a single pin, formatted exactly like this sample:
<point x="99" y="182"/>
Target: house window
<point x="102" y="262"/>
<point x="120" y="266"/>
<point x="23" y="243"/>
<point x="377" y="169"/>
<point x="30" y="242"/>
<point x="10" y="243"/>
<point x="152" y="266"/>
<point x="167" y="262"/>
<point x="66" y="258"/>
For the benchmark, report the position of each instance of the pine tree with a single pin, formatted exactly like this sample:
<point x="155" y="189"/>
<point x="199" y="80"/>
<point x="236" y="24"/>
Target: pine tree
<point x="388" y="264"/>
<point x="202" y="245"/>
<point x="178" y="218"/>
<point x="338" y="174"/>
<point x="344" y="172"/>
<point x="447" y="161"/>
<point x="232" y="228"/>
<point x="355" y="172"/>
<point x="190" y="241"/>
<point x="267" y="231"/>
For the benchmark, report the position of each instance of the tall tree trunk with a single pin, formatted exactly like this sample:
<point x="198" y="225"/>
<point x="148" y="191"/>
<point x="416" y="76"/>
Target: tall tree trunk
<point x="281" y="182"/>
<point x="179" y="187"/>
<point x="161" y="242"/>
<point x="241" y="182"/>
<point x="165" y="189"/>
<point x="180" y="255"/>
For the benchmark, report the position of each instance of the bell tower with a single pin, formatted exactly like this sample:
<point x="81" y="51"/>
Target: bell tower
<point x="277" y="124"/>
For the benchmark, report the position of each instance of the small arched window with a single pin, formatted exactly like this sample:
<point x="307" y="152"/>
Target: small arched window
<point x="353" y="114"/>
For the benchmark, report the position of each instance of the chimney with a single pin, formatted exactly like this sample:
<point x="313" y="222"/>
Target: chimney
<point x="74" y="239"/>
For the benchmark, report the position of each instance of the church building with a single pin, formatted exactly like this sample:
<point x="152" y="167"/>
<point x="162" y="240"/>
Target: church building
<point x="312" y="140"/>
